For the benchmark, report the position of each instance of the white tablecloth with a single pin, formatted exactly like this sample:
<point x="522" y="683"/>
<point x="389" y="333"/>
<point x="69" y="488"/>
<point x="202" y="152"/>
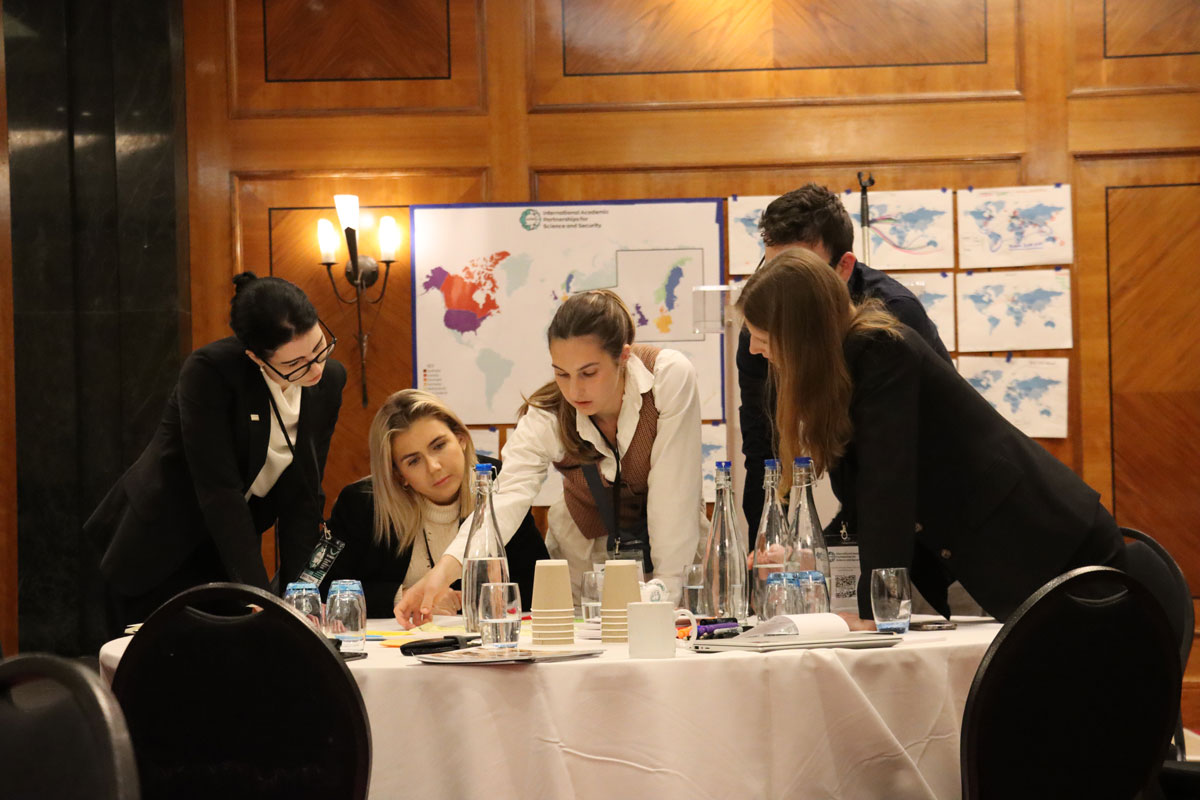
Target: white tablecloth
<point x="791" y="724"/>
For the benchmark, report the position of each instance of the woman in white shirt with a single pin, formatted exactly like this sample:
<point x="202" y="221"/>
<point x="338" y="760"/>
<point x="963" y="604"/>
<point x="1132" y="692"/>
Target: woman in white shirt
<point x="621" y="422"/>
<point x="397" y="521"/>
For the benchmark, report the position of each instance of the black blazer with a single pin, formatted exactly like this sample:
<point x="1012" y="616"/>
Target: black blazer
<point x="381" y="569"/>
<point x="757" y="406"/>
<point x="191" y="480"/>
<point x="936" y="480"/>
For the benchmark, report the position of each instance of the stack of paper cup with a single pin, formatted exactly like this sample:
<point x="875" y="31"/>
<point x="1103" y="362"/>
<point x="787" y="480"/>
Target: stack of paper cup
<point x="553" y="613"/>
<point x="620" y="589"/>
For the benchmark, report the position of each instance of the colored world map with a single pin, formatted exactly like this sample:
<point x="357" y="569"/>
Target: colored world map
<point x="1019" y="228"/>
<point x="469" y="294"/>
<point x="666" y="296"/>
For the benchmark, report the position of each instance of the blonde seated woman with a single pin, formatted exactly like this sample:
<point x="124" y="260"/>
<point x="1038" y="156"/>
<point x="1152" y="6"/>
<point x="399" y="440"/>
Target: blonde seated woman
<point x="398" y="521"/>
<point x="621" y="424"/>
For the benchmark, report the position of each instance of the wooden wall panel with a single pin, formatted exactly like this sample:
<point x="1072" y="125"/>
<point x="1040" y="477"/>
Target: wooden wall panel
<point x="1151" y="28"/>
<point x="8" y="423"/>
<point x="1156" y="390"/>
<point x="296" y="57"/>
<point x="618" y="37"/>
<point x="356" y="40"/>
<point x="631" y="53"/>
<point x="276" y="226"/>
<point x="1123" y="45"/>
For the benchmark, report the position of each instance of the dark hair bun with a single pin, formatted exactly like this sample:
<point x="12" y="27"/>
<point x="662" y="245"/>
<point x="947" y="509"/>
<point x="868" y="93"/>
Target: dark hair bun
<point x="242" y="280"/>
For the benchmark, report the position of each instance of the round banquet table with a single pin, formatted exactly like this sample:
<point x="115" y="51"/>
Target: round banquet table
<point x="826" y="723"/>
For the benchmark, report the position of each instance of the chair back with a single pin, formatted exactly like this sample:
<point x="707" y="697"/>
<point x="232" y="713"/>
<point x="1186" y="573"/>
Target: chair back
<point x="1178" y="594"/>
<point x="62" y="734"/>
<point x="1076" y="696"/>
<point x="228" y="692"/>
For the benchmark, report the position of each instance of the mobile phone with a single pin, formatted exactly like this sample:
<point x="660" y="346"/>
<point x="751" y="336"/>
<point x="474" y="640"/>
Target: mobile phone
<point x="351" y="655"/>
<point x="933" y="625"/>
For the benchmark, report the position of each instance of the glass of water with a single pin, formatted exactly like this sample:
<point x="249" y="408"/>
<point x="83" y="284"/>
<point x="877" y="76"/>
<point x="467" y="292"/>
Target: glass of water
<point x="590" y="592"/>
<point x="891" y="599"/>
<point x="346" y="615"/>
<point x="305" y="598"/>
<point x="693" y="590"/>
<point x="499" y="614"/>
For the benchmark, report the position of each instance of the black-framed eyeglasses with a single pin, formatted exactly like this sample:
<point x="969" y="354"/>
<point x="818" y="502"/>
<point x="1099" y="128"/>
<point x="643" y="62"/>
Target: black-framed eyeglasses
<point x="302" y="370"/>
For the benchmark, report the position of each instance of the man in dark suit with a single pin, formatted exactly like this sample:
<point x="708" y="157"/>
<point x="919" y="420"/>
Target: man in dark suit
<point x="241" y="447"/>
<point x="814" y="218"/>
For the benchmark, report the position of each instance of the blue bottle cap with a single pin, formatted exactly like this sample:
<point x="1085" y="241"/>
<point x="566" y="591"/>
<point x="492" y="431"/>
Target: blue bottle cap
<point x="802" y="461"/>
<point x="724" y="465"/>
<point x="301" y="586"/>
<point x="771" y="463"/>
<point x="813" y="575"/>
<point x="346" y="585"/>
<point x="776" y="577"/>
<point x="481" y="467"/>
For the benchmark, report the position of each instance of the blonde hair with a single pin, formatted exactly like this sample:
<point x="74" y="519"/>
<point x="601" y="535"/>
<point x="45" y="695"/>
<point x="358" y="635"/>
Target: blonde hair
<point x="806" y="311"/>
<point x="600" y="313"/>
<point x="398" y="508"/>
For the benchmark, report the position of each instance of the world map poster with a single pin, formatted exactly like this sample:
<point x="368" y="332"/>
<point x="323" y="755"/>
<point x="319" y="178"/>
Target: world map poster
<point x="1014" y="310"/>
<point x="935" y="290"/>
<point x="909" y="229"/>
<point x="745" y="241"/>
<point x="488" y="278"/>
<point x="1031" y="393"/>
<point x="1019" y="226"/>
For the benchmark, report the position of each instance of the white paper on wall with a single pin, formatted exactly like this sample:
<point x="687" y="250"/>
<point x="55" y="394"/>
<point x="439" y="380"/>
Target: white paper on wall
<point x="1014" y="310"/>
<point x="1015" y="227"/>
<point x="1031" y="393"/>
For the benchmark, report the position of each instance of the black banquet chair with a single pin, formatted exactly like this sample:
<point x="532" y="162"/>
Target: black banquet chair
<point x="229" y="693"/>
<point x="1077" y="696"/>
<point x="62" y="734"/>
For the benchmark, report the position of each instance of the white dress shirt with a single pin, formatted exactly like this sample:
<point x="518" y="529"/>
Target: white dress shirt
<point x="279" y="455"/>
<point x="674" y="490"/>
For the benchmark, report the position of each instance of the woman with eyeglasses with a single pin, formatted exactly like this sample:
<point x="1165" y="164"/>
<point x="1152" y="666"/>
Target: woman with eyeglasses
<point x="241" y="447"/>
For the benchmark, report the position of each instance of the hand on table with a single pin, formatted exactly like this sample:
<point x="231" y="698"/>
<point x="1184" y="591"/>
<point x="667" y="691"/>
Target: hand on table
<point x="856" y="623"/>
<point x="432" y="593"/>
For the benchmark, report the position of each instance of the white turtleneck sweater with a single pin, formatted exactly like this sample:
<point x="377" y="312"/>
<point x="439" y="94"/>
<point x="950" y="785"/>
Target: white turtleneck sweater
<point x="441" y="526"/>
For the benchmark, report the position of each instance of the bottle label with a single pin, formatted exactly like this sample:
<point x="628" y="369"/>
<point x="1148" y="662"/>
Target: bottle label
<point x="843" y="572"/>
<point x="323" y="555"/>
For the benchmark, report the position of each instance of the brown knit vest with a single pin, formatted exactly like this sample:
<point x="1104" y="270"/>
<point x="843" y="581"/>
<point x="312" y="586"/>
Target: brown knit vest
<point x="635" y="468"/>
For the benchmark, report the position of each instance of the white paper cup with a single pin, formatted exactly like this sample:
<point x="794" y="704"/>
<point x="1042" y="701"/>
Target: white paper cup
<point x="652" y="630"/>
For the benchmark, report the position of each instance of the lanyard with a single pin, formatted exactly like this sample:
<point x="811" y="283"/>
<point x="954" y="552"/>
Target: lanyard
<point x="282" y="427"/>
<point x="616" y="484"/>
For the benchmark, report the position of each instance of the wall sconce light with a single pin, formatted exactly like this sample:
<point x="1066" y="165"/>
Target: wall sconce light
<point x="361" y="271"/>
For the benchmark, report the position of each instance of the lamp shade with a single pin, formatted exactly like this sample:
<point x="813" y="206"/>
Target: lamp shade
<point x="347" y="210"/>
<point x="327" y="240"/>
<point x="389" y="238"/>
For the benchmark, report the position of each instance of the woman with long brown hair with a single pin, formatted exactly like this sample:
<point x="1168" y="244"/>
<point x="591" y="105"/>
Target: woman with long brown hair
<point x="929" y="475"/>
<point x="397" y="521"/>
<point x="621" y="422"/>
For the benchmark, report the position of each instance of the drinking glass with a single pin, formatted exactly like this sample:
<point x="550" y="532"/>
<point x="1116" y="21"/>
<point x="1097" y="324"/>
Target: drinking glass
<point x="499" y="614"/>
<point x="813" y="597"/>
<point x="693" y="590"/>
<point x="782" y="597"/>
<point x="306" y="599"/>
<point x="590" y="593"/>
<point x="891" y="599"/>
<point x="346" y="615"/>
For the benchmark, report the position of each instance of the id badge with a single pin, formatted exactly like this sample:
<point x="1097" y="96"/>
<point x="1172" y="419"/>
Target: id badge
<point x="323" y="555"/>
